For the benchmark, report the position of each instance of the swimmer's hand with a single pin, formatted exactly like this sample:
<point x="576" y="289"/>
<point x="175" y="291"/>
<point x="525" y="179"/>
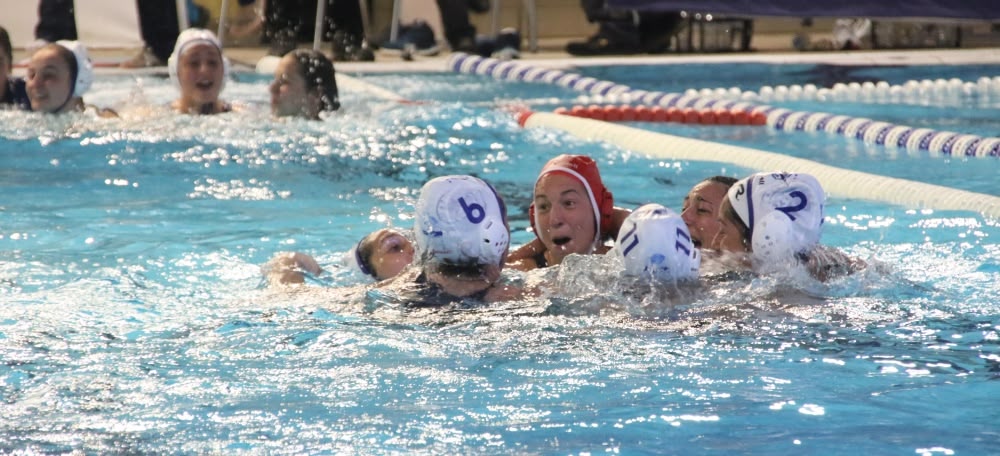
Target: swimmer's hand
<point x="826" y="263"/>
<point x="289" y="268"/>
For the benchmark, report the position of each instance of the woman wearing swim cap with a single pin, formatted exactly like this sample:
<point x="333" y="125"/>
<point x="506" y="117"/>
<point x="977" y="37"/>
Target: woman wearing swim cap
<point x="199" y="69"/>
<point x="776" y="220"/>
<point x="462" y="238"/>
<point x="572" y="212"/>
<point x="304" y="85"/>
<point x="58" y="75"/>
<point x="382" y="254"/>
<point x="654" y="243"/>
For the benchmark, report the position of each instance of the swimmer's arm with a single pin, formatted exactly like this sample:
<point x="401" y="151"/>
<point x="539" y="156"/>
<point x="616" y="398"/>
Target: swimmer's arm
<point x="826" y="263"/>
<point x="288" y="268"/>
<point x="525" y="255"/>
<point x="104" y="113"/>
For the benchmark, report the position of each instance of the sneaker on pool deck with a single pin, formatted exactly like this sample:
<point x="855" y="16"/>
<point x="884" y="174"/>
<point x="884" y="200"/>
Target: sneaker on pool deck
<point x="414" y="39"/>
<point x="507" y="45"/>
<point x="144" y="59"/>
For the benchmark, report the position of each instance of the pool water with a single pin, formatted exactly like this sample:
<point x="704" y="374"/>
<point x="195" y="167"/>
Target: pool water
<point x="133" y="317"/>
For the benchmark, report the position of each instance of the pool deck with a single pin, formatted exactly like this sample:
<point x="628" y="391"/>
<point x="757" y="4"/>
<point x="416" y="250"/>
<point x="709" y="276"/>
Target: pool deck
<point x="768" y="49"/>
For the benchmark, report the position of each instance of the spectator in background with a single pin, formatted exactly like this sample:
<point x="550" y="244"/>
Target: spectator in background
<point x="625" y="31"/>
<point x="56" y="22"/>
<point x="12" y="91"/>
<point x="159" y="26"/>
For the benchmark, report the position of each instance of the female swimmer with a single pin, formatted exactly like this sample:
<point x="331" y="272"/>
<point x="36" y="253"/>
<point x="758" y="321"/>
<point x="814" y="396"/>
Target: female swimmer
<point x="12" y="90"/>
<point x="199" y="69"/>
<point x="700" y="210"/>
<point x="382" y="254"/>
<point x="776" y="220"/>
<point x="572" y="212"/>
<point x="655" y="243"/>
<point x="58" y="75"/>
<point x="305" y="85"/>
<point x="462" y="238"/>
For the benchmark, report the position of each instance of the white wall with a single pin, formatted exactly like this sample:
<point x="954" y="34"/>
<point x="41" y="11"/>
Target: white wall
<point x="99" y="23"/>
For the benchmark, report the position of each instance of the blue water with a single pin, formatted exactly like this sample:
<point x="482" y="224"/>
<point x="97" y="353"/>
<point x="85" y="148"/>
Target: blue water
<point x="133" y="318"/>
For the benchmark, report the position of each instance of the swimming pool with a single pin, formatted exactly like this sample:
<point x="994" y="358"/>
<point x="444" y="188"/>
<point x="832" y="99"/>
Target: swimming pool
<point x="134" y="318"/>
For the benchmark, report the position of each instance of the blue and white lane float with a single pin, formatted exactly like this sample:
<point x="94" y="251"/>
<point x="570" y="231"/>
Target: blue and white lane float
<point x="872" y="132"/>
<point x="838" y="182"/>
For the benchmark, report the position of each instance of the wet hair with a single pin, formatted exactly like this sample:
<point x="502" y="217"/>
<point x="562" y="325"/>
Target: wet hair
<point x="736" y="220"/>
<point x="363" y="254"/>
<point x="5" y="44"/>
<point x="724" y="180"/>
<point x="317" y="71"/>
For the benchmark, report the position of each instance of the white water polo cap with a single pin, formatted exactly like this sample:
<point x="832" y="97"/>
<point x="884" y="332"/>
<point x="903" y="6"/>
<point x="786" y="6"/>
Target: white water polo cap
<point x="188" y="39"/>
<point x="784" y="212"/>
<point x="84" y="67"/>
<point x="461" y="220"/>
<point x="655" y="242"/>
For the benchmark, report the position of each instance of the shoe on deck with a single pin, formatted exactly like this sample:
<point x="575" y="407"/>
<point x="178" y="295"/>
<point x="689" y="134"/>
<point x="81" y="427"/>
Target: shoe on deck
<point x="144" y="59"/>
<point x="415" y="39"/>
<point x="601" y="45"/>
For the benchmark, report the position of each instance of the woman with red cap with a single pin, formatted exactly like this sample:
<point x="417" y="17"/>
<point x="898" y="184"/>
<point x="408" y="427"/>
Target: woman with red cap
<point x="572" y="212"/>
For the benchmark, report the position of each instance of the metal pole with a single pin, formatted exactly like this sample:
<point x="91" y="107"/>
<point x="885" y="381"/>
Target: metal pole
<point x="223" y="14"/>
<point x="318" y="32"/>
<point x="394" y="26"/>
<point x="182" y="15"/>
<point x="364" y="19"/>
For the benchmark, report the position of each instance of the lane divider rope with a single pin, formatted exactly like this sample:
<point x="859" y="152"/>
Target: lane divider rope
<point x="870" y="131"/>
<point x="837" y="182"/>
<point x="630" y="113"/>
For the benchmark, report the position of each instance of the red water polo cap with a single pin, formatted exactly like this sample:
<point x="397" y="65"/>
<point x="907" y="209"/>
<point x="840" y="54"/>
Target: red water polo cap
<point x="583" y="169"/>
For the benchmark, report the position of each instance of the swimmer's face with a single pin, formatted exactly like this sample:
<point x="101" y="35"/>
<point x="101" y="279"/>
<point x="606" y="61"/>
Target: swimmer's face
<point x="289" y="94"/>
<point x="731" y="237"/>
<point x="700" y="212"/>
<point x="392" y="253"/>
<point x="564" y="216"/>
<point x="200" y="72"/>
<point x="48" y="81"/>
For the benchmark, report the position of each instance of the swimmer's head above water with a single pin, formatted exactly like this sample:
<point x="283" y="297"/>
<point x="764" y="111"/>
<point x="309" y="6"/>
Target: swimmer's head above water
<point x="777" y="217"/>
<point x="571" y="211"/>
<point x="700" y="210"/>
<point x="382" y="254"/>
<point x="461" y="229"/>
<point x="199" y="69"/>
<point x="654" y="242"/>
<point x="304" y="85"/>
<point x="58" y="75"/>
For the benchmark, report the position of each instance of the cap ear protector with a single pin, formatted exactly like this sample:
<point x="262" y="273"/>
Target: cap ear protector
<point x="584" y="169"/>
<point x="84" y="68"/>
<point x="189" y="38"/>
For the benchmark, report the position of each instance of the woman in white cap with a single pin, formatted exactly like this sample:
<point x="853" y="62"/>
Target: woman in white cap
<point x="199" y="69"/>
<point x="654" y="243"/>
<point x="57" y="77"/>
<point x="462" y="238"/>
<point x="776" y="220"/>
